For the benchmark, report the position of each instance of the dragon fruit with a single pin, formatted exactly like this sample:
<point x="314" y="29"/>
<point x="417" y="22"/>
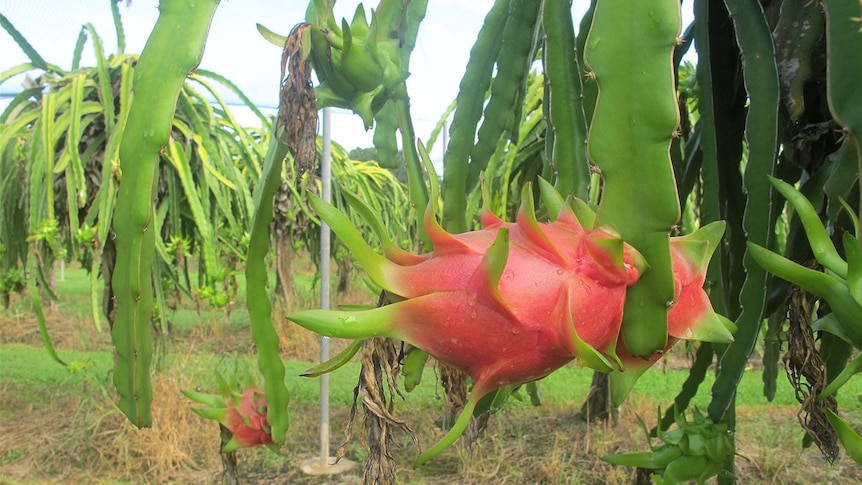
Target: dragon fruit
<point x="507" y="304"/>
<point x="691" y="317"/>
<point x="248" y="423"/>
<point x="242" y="414"/>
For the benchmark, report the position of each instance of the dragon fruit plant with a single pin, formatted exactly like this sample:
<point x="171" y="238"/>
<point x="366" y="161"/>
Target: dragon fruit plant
<point x="512" y="302"/>
<point x="840" y="285"/>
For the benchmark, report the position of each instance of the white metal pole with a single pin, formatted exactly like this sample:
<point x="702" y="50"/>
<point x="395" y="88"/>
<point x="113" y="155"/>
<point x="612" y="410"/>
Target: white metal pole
<point x="326" y="182"/>
<point x="445" y="135"/>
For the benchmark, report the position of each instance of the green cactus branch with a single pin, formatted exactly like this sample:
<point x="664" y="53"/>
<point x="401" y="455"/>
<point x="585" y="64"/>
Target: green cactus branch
<point x="636" y="42"/>
<point x="844" y="72"/>
<point x="415" y="181"/>
<point x="169" y="55"/>
<point x="501" y="117"/>
<point x="471" y="97"/>
<point x="761" y="135"/>
<point x="257" y="296"/>
<point x="563" y="73"/>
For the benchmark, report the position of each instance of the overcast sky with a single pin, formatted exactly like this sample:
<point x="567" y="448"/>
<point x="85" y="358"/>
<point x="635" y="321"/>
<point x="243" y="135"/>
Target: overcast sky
<point x="236" y="50"/>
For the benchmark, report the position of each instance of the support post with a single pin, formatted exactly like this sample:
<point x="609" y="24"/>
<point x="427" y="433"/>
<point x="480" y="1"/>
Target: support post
<point x="325" y="244"/>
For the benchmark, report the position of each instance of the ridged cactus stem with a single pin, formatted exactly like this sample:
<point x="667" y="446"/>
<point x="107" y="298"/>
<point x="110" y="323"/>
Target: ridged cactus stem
<point x="169" y="55"/>
<point x="844" y="71"/>
<point x="629" y="140"/>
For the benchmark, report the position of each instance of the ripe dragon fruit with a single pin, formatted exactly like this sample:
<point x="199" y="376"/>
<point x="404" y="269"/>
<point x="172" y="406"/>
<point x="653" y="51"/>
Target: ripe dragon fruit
<point x="243" y="415"/>
<point x="510" y="303"/>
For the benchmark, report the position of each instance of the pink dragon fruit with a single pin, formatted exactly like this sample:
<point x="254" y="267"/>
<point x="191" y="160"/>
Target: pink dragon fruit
<point x="243" y="415"/>
<point x="507" y="304"/>
<point x="691" y="317"/>
<point x="574" y="282"/>
<point x="248" y="423"/>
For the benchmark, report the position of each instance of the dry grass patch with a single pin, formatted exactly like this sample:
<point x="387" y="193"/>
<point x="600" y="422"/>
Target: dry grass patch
<point x="84" y="438"/>
<point x="20" y="326"/>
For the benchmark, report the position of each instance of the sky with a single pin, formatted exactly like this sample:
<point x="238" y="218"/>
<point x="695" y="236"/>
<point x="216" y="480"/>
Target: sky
<point x="236" y="50"/>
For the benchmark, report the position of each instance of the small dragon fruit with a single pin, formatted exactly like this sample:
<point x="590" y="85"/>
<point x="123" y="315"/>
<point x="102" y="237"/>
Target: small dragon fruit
<point x="694" y="450"/>
<point x="242" y="414"/>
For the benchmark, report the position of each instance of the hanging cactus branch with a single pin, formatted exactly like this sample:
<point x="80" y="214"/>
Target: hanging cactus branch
<point x="159" y="75"/>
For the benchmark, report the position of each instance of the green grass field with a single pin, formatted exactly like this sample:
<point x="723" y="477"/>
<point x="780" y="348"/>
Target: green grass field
<point x="31" y="366"/>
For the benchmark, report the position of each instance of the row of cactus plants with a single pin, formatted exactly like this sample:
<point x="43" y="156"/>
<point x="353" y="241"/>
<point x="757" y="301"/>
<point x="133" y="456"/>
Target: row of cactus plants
<point x="61" y="170"/>
<point x="61" y="166"/>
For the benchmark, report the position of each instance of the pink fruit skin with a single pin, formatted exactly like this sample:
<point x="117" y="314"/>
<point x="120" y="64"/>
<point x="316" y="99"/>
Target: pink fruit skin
<point x="690" y="300"/>
<point x="248" y="424"/>
<point x="512" y="302"/>
<point x="565" y="281"/>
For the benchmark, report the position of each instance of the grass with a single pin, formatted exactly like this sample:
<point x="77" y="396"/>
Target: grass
<point x="30" y="366"/>
<point x="59" y="426"/>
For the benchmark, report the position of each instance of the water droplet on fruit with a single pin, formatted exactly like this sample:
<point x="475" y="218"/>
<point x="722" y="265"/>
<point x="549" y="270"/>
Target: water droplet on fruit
<point x="560" y="271"/>
<point x="472" y="298"/>
<point x="516" y="331"/>
<point x="474" y="315"/>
